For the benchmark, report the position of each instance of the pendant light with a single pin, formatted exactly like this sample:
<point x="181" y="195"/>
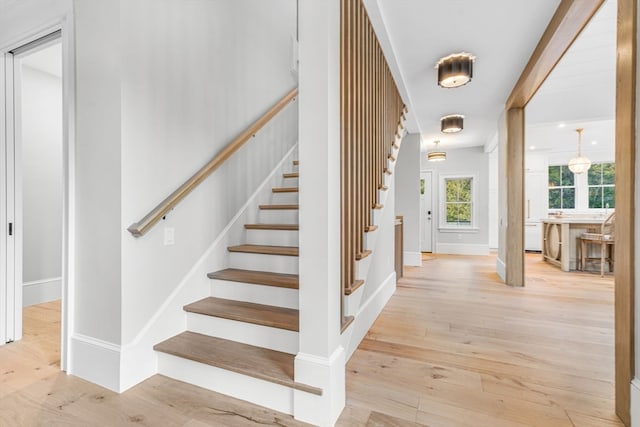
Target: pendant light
<point x="579" y="164"/>
<point x="436" y="155"/>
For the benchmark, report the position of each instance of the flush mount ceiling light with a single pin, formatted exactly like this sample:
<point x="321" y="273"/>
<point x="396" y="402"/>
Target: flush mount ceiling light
<point x="579" y="164"/>
<point x="455" y="70"/>
<point x="436" y="155"/>
<point x="452" y="123"/>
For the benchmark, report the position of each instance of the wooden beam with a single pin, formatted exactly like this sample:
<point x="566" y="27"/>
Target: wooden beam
<point x="565" y="25"/>
<point x="626" y="58"/>
<point x="515" y="198"/>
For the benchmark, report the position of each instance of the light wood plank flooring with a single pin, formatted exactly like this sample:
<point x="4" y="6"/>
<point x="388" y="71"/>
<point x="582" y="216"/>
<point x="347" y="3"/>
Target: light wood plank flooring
<point x="453" y="348"/>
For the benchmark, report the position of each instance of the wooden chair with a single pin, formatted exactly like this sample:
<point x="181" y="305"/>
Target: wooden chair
<point x="606" y="240"/>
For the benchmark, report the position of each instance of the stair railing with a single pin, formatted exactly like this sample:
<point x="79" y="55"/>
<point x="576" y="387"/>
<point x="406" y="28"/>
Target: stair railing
<point x="145" y="224"/>
<point x="371" y="113"/>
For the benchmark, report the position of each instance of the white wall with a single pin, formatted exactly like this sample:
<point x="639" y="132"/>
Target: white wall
<point x="494" y="189"/>
<point x="463" y="161"/>
<point x="41" y="185"/>
<point x="194" y="75"/>
<point x="407" y="194"/>
<point x="98" y="183"/>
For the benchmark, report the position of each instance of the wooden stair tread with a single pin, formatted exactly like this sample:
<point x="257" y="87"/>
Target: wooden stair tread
<point x="351" y="289"/>
<point x="291" y="227"/>
<point x="258" y="314"/>
<point x="291" y="175"/>
<point x="285" y="189"/>
<point x="363" y="254"/>
<point x="256" y="362"/>
<point x="277" y="207"/>
<point x="265" y="249"/>
<point x="265" y="278"/>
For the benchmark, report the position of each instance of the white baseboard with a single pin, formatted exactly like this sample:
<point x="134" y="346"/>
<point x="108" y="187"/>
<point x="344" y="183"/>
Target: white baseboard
<point x="367" y="314"/>
<point x="96" y="361"/>
<point x="501" y="269"/>
<point x="413" y="259"/>
<point x="41" y="291"/>
<point x="463" y="249"/>
<point x="635" y="402"/>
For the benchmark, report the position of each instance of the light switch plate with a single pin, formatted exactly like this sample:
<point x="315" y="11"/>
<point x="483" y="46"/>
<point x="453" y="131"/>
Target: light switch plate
<point x="169" y="236"/>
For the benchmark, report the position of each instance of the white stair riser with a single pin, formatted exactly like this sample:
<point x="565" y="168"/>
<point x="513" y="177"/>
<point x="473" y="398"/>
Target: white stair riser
<point x="290" y="182"/>
<point x="247" y="333"/>
<point x="272" y="237"/>
<point x="262" y="262"/>
<point x="259" y="392"/>
<point x="284" y="198"/>
<point x="278" y="216"/>
<point x="259" y="294"/>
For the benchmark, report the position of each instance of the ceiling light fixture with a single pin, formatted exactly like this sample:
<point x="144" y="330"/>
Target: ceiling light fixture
<point x="455" y="70"/>
<point x="579" y="164"/>
<point x="452" y="123"/>
<point x="436" y="155"/>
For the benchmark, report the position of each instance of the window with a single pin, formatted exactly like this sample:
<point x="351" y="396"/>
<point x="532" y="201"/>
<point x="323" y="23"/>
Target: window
<point x="602" y="190"/>
<point x="562" y="190"/>
<point x="457" y="195"/>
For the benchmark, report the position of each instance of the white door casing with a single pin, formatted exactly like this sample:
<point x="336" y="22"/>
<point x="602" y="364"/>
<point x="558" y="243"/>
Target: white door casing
<point x="426" y="211"/>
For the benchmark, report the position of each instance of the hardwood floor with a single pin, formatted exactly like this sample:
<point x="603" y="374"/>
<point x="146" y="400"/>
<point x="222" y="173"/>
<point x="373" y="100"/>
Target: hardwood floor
<point x="453" y="348"/>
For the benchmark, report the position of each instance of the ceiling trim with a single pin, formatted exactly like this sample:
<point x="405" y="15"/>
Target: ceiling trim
<point x="567" y="23"/>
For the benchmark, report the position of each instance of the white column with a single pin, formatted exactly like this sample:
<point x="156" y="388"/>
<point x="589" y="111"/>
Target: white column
<point x="321" y="359"/>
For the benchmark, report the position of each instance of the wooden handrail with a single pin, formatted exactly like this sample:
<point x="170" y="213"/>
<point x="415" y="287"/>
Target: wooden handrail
<point x="141" y="227"/>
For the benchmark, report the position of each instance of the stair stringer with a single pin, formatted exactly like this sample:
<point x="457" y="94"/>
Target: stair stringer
<point x="366" y="302"/>
<point x="138" y="359"/>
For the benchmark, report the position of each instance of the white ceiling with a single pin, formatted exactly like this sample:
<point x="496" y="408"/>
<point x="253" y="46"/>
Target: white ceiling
<point x="502" y="34"/>
<point x="47" y="60"/>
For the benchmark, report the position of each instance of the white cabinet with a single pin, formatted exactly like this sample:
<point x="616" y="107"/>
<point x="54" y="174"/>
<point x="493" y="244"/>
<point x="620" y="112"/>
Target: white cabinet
<point x="533" y="236"/>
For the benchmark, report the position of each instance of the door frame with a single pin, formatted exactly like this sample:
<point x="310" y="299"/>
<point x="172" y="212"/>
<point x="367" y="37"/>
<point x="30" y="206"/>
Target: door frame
<point x="566" y="24"/>
<point x="434" y="211"/>
<point x="8" y="135"/>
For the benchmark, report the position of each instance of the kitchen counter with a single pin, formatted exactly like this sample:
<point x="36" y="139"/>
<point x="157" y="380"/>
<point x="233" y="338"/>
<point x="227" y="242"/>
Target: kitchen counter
<point x="560" y="237"/>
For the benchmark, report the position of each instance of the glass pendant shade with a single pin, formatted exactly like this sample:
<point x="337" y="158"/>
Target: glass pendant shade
<point x="579" y="164"/>
<point x="455" y="70"/>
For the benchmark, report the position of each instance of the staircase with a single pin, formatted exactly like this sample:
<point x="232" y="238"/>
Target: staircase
<point x="242" y="340"/>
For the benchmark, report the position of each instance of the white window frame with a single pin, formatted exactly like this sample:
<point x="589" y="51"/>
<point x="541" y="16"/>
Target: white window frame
<point x="442" y="205"/>
<point x="575" y="186"/>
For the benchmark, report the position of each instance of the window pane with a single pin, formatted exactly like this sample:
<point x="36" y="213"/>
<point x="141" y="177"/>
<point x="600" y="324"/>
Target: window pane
<point x="555" y="198"/>
<point x="595" y="174"/>
<point x="609" y="173"/>
<point x="568" y="198"/>
<point x="452" y="213"/>
<point x="609" y="197"/>
<point x="567" y="176"/>
<point x="452" y="188"/>
<point x="422" y="186"/>
<point x="465" y="190"/>
<point x="554" y="176"/>
<point x="464" y="213"/>
<point x="595" y="197"/>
